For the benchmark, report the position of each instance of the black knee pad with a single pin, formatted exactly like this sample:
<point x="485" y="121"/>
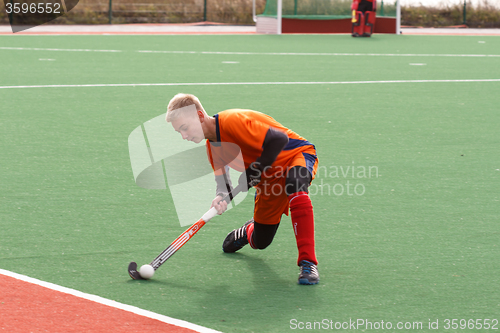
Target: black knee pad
<point x="297" y="180"/>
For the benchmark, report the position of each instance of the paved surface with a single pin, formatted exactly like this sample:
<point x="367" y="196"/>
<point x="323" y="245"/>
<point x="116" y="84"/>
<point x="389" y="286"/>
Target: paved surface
<point x="200" y="28"/>
<point x="450" y="31"/>
<point x="204" y="28"/>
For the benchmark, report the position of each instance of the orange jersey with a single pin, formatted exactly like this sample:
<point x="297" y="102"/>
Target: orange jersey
<point x="240" y="137"/>
<point x="247" y="129"/>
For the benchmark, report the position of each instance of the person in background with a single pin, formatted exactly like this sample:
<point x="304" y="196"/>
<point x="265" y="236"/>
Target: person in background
<point x="363" y="17"/>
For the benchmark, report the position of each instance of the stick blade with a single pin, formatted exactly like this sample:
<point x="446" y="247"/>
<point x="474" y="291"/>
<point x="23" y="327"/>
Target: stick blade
<point x="132" y="271"/>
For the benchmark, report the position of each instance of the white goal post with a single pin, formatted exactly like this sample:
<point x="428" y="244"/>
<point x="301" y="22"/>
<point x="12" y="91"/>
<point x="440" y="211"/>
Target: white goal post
<point x="398" y="17"/>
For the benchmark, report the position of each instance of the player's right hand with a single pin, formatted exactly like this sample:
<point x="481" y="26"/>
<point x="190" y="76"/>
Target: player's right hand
<point x="221" y="206"/>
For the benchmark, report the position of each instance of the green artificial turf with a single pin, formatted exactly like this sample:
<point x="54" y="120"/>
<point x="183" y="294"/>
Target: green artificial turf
<point x="417" y="242"/>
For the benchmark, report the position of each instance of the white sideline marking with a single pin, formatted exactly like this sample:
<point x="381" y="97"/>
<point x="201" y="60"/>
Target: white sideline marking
<point x="67" y="50"/>
<point x="417" y="64"/>
<point x="239" y="83"/>
<point x="264" y="53"/>
<point x="108" y="302"/>
<point x="325" y="54"/>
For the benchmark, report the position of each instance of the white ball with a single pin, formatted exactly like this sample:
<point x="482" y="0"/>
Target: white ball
<point x="147" y="271"/>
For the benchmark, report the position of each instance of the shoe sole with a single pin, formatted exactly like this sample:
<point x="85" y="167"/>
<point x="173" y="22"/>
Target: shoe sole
<point x="307" y="282"/>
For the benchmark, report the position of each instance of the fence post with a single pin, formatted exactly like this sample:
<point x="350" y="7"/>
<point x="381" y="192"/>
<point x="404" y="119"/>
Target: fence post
<point x="11" y="14"/>
<point x="205" y="11"/>
<point x="465" y="13"/>
<point x="110" y="11"/>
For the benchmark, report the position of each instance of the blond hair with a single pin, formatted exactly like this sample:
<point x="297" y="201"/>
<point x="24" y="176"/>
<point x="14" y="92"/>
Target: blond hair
<point x="179" y="101"/>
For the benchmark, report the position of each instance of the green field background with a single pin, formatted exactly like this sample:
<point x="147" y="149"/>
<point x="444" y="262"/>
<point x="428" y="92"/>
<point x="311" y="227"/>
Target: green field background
<point x="421" y="243"/>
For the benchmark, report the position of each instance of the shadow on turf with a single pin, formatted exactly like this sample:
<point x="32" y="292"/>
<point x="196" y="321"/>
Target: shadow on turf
<point x="261" y="271"/>
<point x="262" y="274"/>
<point x="272" y="297"/>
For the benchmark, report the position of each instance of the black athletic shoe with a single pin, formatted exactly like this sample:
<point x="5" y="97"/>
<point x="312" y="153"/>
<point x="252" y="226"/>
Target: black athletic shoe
<point x="308" y="273"/>
<point x="236" y="239"/>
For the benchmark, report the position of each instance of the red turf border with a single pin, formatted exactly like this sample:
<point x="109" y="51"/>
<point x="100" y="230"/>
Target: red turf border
<point x="27" y="307"/>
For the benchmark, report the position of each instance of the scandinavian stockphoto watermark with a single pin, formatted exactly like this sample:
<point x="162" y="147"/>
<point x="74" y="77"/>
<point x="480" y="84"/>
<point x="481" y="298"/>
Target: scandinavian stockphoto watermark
<point x="330" y="180"/>
<point x="343" y="180"/>
<point x="163" y="158"/>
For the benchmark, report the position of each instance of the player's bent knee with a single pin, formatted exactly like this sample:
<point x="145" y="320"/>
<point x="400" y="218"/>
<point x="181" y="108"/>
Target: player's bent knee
<point x="263" y="235"/>
<point x="297" y="180"/>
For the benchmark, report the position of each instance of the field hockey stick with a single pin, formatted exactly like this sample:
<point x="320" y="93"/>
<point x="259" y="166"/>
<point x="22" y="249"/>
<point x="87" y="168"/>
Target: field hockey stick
<point x="183" y="238"/>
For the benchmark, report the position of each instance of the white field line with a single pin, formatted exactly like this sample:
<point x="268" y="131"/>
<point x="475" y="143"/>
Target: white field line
<point x="111" y="303"/>
<point x="240" y="83"/>
<point x="264" y="53"/>
<point x="325" y="54"/>
<point x="65" y="50"/>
